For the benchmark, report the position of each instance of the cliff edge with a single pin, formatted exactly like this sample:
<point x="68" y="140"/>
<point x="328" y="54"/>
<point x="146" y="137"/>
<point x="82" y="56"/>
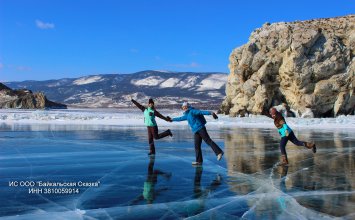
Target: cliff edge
<point x="309" y="65"/>
<point x="25" y="99"/>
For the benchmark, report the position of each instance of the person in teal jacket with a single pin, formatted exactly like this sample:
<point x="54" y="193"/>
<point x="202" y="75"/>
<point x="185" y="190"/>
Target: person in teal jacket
<point x="197" y="121"/>
<point x="286" y="134"/>
<point x="152" y="127"/>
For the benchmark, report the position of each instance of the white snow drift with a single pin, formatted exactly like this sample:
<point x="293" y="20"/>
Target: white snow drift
<point x="134" y="117"/>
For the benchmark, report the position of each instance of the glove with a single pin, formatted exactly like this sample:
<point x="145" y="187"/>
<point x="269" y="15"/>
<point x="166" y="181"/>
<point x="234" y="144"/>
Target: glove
<point x="214" y="115"/>
<point x="169" y="119"/>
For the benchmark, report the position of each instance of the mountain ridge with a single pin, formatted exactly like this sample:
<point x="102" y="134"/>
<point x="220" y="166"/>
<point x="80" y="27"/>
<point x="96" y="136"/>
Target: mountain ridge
<point x="116" y="90"/>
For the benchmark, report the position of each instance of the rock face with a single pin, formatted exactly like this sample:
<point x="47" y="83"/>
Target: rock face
<point x="25" y="99"/>
<point x="308" y="65"/>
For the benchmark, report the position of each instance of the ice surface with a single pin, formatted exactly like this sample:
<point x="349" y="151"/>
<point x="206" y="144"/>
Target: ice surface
<point x="246" y="184"/>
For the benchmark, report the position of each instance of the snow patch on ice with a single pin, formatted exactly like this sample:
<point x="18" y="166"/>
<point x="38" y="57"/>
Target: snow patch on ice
<point x="134" y="117"/>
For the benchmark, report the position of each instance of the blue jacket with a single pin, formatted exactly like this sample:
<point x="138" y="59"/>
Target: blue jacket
<point x="195" y="118"/>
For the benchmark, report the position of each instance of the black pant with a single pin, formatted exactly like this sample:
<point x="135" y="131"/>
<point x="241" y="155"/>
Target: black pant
<point x="153" y="134"/>
<point x="292" y="138"/>
<point x="202" y="134"/>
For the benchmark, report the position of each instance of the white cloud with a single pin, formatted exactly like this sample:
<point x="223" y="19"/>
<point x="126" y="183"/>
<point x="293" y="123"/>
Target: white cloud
<point x="43" y="25"/>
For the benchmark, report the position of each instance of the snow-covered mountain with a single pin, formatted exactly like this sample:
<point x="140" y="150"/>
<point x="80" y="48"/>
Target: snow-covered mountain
<point x="116" y="90"/>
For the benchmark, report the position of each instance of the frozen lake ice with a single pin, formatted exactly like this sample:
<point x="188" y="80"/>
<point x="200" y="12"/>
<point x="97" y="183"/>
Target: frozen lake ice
<point x="246" y="183"/>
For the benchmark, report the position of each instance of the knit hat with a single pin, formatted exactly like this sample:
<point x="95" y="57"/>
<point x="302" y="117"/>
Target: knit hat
<point x="150" y="101"/>
<point x="185" y="104"/>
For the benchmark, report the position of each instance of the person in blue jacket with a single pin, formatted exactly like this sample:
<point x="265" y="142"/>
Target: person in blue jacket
<point x="197" y="121"/>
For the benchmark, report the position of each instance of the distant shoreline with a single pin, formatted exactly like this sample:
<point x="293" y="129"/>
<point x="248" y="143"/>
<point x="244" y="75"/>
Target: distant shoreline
<point x="133" y="117"/>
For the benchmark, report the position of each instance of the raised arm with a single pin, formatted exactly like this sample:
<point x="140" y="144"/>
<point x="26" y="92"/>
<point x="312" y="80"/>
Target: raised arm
<point x="141" y="107"/>
<point x="266" y="113"/>
<point x="156" y="113"/>
<point x="200" y="112"/>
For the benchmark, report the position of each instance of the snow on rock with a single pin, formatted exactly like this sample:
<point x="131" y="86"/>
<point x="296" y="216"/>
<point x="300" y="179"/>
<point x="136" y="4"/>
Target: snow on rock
<point x="213" y="82"/>
<point x="70" y="98"/>
<point x="54" y="84"/>
<point x="6" y="98"/>
<point x="149" y="81"/>
<point x="318" y="53"/>
<point x="215" y="94"/>
<point x="163" y="71"/>
<point x="307" y="113"/>
<point x="171" y="82"/>
<point x="136" y="95"/>
<point x="189" y="82"/>
<point x="88" y="80"/>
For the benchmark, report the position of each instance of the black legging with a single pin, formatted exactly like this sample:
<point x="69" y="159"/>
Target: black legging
<point x="292" y="138"/>
<point x="153" y="134"/>
<point x="202" y="134"/>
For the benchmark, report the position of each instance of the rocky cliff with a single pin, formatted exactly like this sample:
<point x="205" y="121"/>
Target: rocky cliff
<point x="309" y="65"/>
<point x="25" y="99"/>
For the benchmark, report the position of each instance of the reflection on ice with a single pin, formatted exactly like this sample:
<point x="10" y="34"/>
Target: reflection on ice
<point x="323" y="182"/>
<point x="247" y="184"/>
<point x="149" y="191"/>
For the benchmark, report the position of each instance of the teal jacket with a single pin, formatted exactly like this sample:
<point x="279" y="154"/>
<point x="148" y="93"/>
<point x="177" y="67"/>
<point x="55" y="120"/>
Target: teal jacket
<point x="285" y="130"/>
<point x="149" y="117"/>
<point x="195" y="118"/>
<point x="149" y="114"/>
<point x="280" y="123"/>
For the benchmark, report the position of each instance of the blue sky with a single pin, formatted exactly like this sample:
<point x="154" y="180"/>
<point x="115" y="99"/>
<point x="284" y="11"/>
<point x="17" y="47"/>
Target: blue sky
<point x="42" y="39"/>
